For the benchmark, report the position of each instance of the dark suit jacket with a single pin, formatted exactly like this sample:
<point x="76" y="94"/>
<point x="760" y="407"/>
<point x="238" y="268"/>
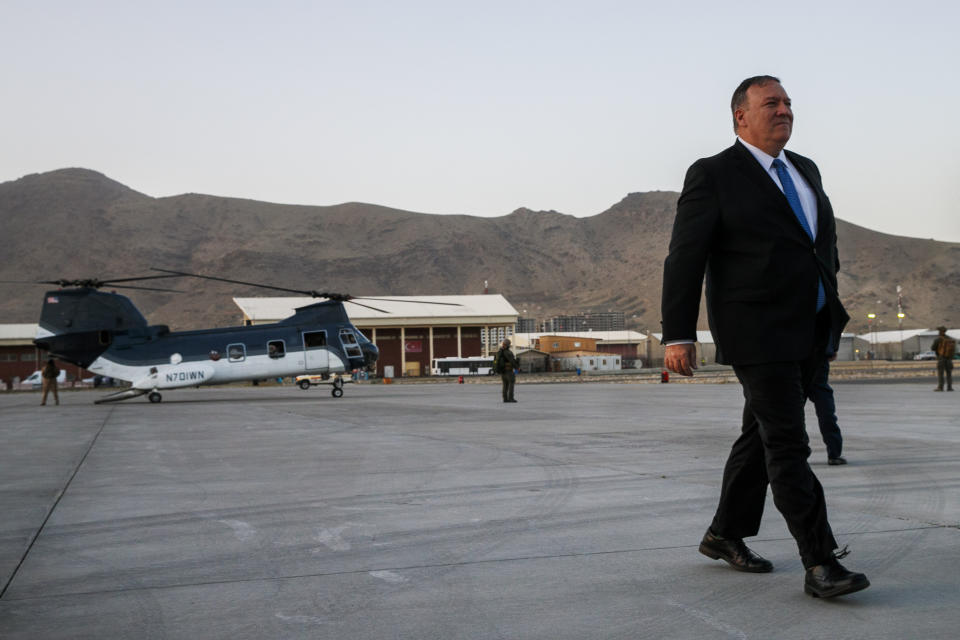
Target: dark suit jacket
<point x="734" y="225"/>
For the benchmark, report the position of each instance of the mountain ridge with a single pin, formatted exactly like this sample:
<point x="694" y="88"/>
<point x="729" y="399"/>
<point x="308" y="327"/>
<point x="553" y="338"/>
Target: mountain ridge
<point x="76" y="222"/>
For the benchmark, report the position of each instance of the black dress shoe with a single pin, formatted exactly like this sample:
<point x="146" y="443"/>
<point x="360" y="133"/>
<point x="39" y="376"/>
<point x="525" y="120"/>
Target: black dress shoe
<point x="734" y="553"/>
<point x="837" y="460"/>
<point x="832" y="579"/>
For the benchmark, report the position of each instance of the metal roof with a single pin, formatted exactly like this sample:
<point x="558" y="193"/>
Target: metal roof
<point x="580" y="353"/>
<point x="12" y="334"/>
<point x="895" y="335"/>
<point x="703" y="337"/>
<point x="479" y="309"/>
<point x="599" y="336"/>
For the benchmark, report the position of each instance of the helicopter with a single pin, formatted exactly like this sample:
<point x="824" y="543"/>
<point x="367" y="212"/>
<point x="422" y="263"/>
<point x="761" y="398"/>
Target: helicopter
<point x="107" y="335"/>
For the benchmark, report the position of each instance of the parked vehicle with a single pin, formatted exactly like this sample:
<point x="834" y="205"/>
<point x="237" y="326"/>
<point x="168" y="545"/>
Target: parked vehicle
<point x="453" y="366"/>
<point x="36" y="378"/>
<point x="926" y="355"/>
<point x="334" y="380"/>
<point x="100" y="381"/>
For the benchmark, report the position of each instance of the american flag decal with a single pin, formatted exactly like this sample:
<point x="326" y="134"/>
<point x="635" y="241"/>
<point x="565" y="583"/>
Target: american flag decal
<point x="53" y="299"/>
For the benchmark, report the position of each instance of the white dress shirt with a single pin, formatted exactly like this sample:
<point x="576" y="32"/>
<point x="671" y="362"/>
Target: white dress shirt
<point x="808" y="199"/>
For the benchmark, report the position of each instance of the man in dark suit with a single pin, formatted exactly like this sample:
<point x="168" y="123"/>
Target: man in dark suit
<point x="755" y="220"/>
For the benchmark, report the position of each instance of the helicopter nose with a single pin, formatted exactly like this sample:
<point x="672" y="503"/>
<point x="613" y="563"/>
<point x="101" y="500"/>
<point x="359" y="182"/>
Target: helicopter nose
<point x="370" y="353"/>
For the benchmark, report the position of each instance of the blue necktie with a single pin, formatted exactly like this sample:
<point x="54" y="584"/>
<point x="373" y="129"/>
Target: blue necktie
<point x="790" y="190"/>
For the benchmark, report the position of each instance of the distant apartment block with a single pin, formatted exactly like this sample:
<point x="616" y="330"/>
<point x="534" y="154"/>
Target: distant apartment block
<point x="491" y="337"/>
<point x="603" y="321"/>
<point x="526" y="325"/>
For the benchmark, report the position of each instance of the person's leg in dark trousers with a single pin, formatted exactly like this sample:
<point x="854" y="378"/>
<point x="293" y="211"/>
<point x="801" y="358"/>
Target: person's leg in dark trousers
<point x="508" y="380"/>
<point x="821" y="394"/>
<point x="944" y="370"/>
<point x="744" y="487"/>
<point x="773" y="448"/>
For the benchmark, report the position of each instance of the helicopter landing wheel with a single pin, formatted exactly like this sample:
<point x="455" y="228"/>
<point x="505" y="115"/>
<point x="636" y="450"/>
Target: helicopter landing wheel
<point x="154" y="397"/>
<point x="336" y="392"/>
<point x="304" y="384"/>
<point x="338" y="383"/>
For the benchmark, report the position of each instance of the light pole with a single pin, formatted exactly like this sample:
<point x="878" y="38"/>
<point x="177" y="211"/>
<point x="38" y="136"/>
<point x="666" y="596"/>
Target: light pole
<point x="873" y="352"/>
<point x="900" y="316"/>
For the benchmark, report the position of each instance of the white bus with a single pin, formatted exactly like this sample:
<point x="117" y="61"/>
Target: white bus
<point x="453" y="366"/>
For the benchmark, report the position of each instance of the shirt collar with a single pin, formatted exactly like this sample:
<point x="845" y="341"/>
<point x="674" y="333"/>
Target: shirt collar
<point x="764" y="158"/>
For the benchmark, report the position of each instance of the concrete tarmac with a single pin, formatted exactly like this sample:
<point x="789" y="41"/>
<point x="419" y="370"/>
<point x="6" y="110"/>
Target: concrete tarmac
<point x="436" y="511"/>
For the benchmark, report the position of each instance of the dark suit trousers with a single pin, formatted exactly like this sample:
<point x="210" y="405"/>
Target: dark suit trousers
<point x="821" y="394"/>
<point x="773" y="449"/>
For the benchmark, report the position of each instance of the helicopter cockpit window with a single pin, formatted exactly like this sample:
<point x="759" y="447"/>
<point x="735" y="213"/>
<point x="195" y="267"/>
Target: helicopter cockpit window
<point x="350" y="344"/>
<point x="236" y="353"/>
<point x="275" y="349"/>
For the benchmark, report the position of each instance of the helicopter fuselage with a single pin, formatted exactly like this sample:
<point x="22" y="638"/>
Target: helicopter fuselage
<point x="156" y="359"/>
<point x="318" y="338"/>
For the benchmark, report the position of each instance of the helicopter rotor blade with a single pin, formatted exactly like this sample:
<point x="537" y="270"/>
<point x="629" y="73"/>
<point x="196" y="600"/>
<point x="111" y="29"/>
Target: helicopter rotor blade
<point x="112" y="280"/>
<point x="248" y="284"/>
<point x="130" y="286"/>
<point x="96" y="283"/>
<point x="337" y="297"/>
<point x="360" y="304"/>
<point x="449" y="304"/>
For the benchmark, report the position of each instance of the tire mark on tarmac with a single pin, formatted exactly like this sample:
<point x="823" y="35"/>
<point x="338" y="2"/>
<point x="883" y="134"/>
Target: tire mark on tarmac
<point x="709" y="620"/>
<point x="558" y="488"/>
<point x="398" y="569"/>
<point x="471" y="542"/>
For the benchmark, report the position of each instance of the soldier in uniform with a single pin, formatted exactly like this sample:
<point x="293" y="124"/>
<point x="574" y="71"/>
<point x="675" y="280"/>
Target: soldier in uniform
<point x="506" y="365"/>
<point x="49" y="377"/>
<point x="945" y="347"/>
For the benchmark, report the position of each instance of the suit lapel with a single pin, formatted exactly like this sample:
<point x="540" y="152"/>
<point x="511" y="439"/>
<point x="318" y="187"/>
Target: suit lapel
<point x="759" y="176"/>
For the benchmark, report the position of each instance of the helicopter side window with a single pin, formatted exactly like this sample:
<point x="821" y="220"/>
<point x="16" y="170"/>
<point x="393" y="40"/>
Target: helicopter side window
<point x="236" y="353"/>
<point x="314" y="339"/>
<point x="275" y="349"/>
<point x="350" y="344"/>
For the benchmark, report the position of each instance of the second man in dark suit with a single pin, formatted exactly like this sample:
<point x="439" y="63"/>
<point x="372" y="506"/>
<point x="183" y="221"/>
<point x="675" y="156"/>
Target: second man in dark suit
<point x="755" y="221"/>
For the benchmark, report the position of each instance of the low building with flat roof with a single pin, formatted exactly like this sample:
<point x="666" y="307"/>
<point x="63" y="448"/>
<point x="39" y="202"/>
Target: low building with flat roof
<point x="631" y="346"/>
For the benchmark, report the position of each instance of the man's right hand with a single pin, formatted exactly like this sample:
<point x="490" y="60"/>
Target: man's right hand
<point x="681" y="358"/>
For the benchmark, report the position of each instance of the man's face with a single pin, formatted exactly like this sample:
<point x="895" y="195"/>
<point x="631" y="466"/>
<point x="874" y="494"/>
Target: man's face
<point x="766" y="120"/>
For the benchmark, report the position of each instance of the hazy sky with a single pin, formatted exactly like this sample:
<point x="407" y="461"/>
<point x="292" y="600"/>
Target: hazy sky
<point x="481" y="107"/>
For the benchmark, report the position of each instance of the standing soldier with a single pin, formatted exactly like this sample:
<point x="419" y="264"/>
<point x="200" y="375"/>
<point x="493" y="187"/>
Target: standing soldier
<point x="49" y="375"/>
<point x="505" y="363"/>
<point x="945" y="348"/>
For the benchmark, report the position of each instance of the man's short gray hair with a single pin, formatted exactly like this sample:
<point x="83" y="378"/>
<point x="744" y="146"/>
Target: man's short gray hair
<point x="740" y="94"/>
